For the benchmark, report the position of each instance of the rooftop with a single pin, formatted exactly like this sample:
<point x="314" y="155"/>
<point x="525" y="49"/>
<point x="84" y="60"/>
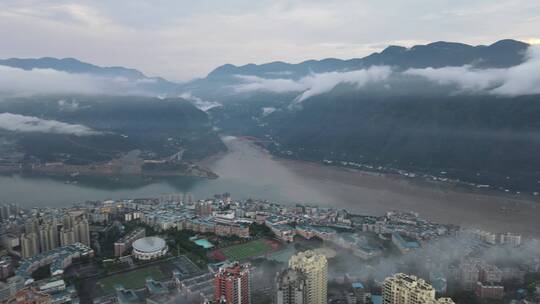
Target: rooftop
<point x="149" y="244"/>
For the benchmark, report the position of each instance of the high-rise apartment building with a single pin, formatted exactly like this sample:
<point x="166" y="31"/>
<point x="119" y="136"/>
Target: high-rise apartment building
<point x="315" y="268"/>
<point x="4" y="212"/>
<point x="67" y="236"/>
<point x="6" y="267"/>
<point x="29" y="245"/>
<point x="82" y="231"/>
<point x="490" y="273"/>
<point x="203" y="208"/>
<point x="510" y="239"/>
<point x="232" y="284"/>
<point x="489" y="290"/>
<point x="407" y="289"/>
<point x="358" y="295"/>
<point x="75" y="229"/>
<point x="7" y="210"/>
<point x="48" y="237"/>
<point x="31" y="225"/>
<point x="67" y="221"/>
<point x="291" y="287"/>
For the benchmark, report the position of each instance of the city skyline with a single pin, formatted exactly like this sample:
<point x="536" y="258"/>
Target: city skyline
<point x="234" y="233"/>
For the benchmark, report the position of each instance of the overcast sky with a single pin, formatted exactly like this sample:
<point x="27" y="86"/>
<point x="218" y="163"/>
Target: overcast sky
<point x="180" y="39"/>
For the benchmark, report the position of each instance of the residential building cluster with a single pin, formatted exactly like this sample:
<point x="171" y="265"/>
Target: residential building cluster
<point x="20" y="286"/>
<point x="483" y="278"/>
<point x="197" y="217"/>
<point x="506" y="238"/>
<point x="29" y="234"/>
<point x="408" y="224"/>
<point x="58" y="259"/>
<point x="55" y="237"/>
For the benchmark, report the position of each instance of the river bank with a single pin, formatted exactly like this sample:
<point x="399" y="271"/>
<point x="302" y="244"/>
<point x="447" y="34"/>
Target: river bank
<point x="376" y="193"/>
<point x="247" y="171"/>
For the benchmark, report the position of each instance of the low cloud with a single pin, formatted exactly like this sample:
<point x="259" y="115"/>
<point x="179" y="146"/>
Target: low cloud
<point x="201" y="104"/>
<point x="325" y="82"/>
<point x="280" y="73"/>
<point x="21" y="123"/>
<point x="314" y="84"/>
<point x="18" y="82"/>
<point x="278" y="85"/>
<point x="267" y="111"/>
<point x="440" y="256"/>
<point x="466" y="77"/>
<point x="523" y="79"/>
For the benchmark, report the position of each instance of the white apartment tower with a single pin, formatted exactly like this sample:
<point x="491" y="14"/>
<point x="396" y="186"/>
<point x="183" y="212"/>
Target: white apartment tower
<point x="82" y="232"/>
<point x="315" y="268"/>
<point x="407" y="289"/>
<point x="48" y="237"/>
<point x="29" y="245"/>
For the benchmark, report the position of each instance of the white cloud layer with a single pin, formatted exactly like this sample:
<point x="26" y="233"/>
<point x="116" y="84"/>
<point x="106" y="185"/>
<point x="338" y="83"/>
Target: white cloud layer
<point x="325" y="82"/>
<point x="22" y="123"/>
<point x="314" y="84"/>
<point x="252" y="83"/>
<point x="17" y="82"/>
<point x="203" y="105"/>
<point x="523" y="79"/>
<point x="267" y="111"/>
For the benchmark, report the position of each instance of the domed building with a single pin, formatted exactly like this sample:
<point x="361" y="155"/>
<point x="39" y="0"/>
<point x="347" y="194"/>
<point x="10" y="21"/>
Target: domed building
<point x="149" y="248"/>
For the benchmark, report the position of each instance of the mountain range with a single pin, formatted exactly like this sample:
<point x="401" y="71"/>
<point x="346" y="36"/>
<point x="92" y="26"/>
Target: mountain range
<point x="217" y="84"/>
<point x="220" y="83"/>
<point x="150" y="85"/>
<point x="81" y="129"/>
<point x="71" y="65"/>
<point x="503" y="53"/>
<point x="468" y="111"/>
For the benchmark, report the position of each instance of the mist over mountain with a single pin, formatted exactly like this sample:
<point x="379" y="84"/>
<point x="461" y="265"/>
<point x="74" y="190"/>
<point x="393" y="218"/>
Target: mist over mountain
<point x="79" y="113"/>
<point x="98" y="80"/>
<point x="441" y="107"/>
<point x="229" y="81"/>
<point x="71" y="65"/>
<point x="86" y="129"/>
<point x="222" y="82"/>
<point x="504" y="53"/>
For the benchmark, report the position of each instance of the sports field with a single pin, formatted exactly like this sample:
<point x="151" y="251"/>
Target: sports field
<point x="131" y="279"/>
<point x="247" y="250"/>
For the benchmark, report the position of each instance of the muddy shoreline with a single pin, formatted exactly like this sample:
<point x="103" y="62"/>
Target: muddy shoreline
<point x="375" y="193"/>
